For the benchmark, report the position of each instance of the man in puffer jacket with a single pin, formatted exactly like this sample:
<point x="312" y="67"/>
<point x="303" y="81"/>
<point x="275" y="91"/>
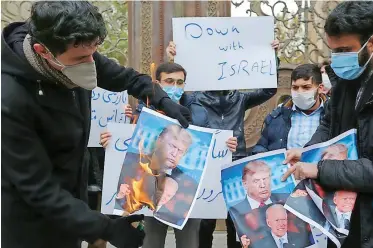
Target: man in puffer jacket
<point x="292" y="124"/>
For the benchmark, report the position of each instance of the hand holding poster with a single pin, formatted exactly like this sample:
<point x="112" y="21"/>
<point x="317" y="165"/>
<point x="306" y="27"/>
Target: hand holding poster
<point x="232" y="54"/>
<point x="163" y="168"/>
<point x="329" y="211"/>
<point x="255" y="198"/>
<point x="106" y="107"/>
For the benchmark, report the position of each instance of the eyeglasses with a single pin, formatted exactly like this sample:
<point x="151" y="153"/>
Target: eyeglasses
<point x="174" y="81"/>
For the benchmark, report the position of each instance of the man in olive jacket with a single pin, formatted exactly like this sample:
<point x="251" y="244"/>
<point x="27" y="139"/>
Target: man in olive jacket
<point x="49" y="67"/>
<point x="349" y="30"/>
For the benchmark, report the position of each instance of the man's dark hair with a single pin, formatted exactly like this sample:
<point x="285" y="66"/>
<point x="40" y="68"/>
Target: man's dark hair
<point x="169" y="67"/>
<point x="57" y="24"/>
<point x="351" y="18"/>
<point x="325" y="63"/>
<point x="306" y="72"/>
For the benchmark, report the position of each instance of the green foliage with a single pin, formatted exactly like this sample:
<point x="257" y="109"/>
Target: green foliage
<point x="290" y="33"/>
<point x="115" y="14"/>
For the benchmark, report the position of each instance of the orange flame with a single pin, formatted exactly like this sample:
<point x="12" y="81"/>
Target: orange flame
<point x="138" y="198"/>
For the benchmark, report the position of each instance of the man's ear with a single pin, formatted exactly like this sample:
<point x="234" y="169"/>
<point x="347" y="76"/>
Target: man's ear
<point x="42" y="51"/>
<point x="370" y="45"/>
<point x="320" y="88"/>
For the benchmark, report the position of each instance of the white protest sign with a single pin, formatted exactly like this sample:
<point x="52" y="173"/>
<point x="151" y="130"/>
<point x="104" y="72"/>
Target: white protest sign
<point x="224" y="53"/>
<point x="210" y="202"/>
<point x="121" y="135"/>
<point x="106" y="107"/>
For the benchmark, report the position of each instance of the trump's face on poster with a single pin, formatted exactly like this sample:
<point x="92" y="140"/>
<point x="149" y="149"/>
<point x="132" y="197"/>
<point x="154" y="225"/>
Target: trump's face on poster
<point x="172" y="144"/>
<point x="335" y="152"/>
<point x="257" y="180"/>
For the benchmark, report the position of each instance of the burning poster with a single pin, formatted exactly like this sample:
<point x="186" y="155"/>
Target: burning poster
<point x="163" y="168"/>
<point x="255" y="198"/>
<point x="329" y="211"/>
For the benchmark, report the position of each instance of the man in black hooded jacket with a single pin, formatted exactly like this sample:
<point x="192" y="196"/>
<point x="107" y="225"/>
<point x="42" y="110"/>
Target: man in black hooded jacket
<point x="49" y="67"/>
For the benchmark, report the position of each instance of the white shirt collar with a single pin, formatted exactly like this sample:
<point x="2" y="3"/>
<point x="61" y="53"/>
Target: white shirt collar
<point x="339" y="216"/>
<point x="168" y="172"/>
<point x="255" y="204"/>
<point x="277" y="239"/>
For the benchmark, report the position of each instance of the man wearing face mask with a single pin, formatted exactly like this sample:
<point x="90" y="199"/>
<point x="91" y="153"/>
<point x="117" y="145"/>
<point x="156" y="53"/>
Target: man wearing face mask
<point x="328" y="78"/>
<point x="293" y="123"/>
<point x="171" y="77"/>
<point x="349" y="33"/>
<point x="226" y="110"/>
<point x="49" y="67"/>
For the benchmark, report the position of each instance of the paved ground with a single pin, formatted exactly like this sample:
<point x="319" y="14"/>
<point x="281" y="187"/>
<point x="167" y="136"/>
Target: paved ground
<point x="220" y="240"/>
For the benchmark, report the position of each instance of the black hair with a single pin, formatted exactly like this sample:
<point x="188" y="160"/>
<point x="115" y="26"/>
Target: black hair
<point x="352" y="17"/>
<point x="58" y="24"/>
<point x="325" y="63"/>
<point x="169" y="67"/>
<point x="305" y="72"/>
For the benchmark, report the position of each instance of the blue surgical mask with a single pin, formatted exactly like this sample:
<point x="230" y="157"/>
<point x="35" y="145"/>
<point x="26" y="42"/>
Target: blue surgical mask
<point x="174" y="92"/>
<point x="346" y="65"/>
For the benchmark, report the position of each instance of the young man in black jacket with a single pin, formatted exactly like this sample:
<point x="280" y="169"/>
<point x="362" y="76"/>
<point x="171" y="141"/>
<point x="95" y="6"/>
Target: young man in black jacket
<point x="349" y="29"/>
<point x="226" y="110"/>
<point x="49" y="67"/>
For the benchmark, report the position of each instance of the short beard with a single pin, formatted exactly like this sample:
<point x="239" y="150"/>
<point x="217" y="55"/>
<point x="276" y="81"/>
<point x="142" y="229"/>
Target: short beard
<point x="363" y="58"/>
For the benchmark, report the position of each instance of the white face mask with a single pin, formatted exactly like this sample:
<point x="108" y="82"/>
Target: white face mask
<point x="83" y="75"/>
<point x="304" y="100"/>
<point x="326" y="81"/>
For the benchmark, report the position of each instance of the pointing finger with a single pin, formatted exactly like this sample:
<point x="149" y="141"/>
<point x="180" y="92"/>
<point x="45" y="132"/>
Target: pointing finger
<point x="290" y="171"/>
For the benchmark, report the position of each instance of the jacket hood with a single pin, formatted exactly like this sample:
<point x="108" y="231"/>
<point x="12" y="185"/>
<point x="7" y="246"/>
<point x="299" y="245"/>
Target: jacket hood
<point x="13" y="60"/>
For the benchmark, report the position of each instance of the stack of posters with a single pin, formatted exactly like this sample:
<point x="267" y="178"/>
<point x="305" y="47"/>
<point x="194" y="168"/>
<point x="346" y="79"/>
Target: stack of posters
<point x="329" y="211"/>
<point x="255" y="198"/>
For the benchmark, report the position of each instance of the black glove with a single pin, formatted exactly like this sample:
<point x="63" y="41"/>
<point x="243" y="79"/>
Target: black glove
<point x="176" y="111"/>
<point x="122" y="234"/>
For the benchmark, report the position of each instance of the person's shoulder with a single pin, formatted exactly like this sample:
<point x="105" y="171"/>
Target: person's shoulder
<point x="14" y="95"/>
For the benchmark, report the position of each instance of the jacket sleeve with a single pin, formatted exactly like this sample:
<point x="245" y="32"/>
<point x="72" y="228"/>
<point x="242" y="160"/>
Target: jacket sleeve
<point x="322" y="132"/>
<point x="257" y="97"/>
<point x="27" y="167"/>
<point x="262" y="145"/>
<point x="113" y="77"/>
<point x="353" y="175"/>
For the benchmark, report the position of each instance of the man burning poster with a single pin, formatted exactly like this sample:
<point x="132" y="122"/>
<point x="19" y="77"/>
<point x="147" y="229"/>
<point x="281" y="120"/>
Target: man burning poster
<point x="329" y="211"/>
<point x="255" y="198"/>
<point x="163" y="168"/>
